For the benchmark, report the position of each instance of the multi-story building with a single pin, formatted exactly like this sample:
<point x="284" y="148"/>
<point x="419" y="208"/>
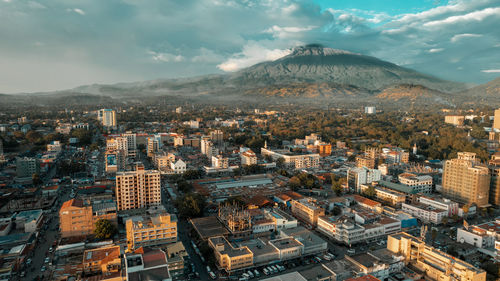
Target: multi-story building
<point x="77" y="217"/>
<point x="496" y="119"/>
<point x="293" y="161"/>
<point x="358" y="176"/>
<point x="483" y="235"/>
<point x="387" y="195"/>
<point x="305" y="209"/>
<point x="27" y="166"/>
<point x="349" y="231"/>
<point x="441" y="203"/>
<point x="147" y="264"/>
<point x="370" y="110"/>
<point x="494" y="166"/>
<point x="105" y="261"/>
<point x="465" y="180"/>
<point x="217" y="137"/>
<point x="162" y="161"/>
<point x="178" y="167"/>
<point x="152" y="230"/>
<point x="248" y="158"/>
<point x="422" y="184"/>
<point x="434" y="264"/>
<point x="138" y="189"/>
<point x="228" y="257"/>
<point x="131" y="142"/>
<point x="424" y="212"/>
<point x="208" y="148"/>
<point x="456" y="120"/>
<point x="107" y="117"/>
<point x="153" y="146"/>
<point x="220" y="162"/>
<point x="115" y="160"/>
<point x="368" y="162"/>
<point x="117" y="143"/>
<point x="54" y="147"/>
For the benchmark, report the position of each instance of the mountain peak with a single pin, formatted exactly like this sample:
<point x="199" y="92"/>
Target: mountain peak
<point x="316" y="50"/>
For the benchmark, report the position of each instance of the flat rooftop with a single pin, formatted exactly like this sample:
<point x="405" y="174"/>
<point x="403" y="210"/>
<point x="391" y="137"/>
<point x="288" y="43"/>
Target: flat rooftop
<point x="285" y="243"/>
<point x="292" y="276"/>
<point x="304" y="236"/>
<point x="228" y="248"/>
<point x="209" y="227"/>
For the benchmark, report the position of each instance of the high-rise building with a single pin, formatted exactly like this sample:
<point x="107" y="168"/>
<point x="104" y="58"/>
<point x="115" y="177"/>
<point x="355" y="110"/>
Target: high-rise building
<point x="370" y="110"/>
<point x="358" y="176"/>
<point x="138" y="189"/>
<point x="139" y="229"/>
<point x="154" y="145"/>
<point x="107" y="117"/>
<point x="494" y="166"/>
<point x="496" y="120"/>
<point x="217" y="137"/>
<point x="436" y="265"/>
<point x="306" y="210"/>
<point x="77" y="217"/>
<point x="27" y="166"/>
<point x="248" y="158"/>
<point x="465" y="180"/>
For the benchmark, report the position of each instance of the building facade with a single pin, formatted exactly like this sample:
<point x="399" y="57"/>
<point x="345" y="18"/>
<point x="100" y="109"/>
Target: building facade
<point x="138" y="189"/>
<point x="153" y="230"/>
<point x="465" y="180"/>
<point x="77" y="217"/>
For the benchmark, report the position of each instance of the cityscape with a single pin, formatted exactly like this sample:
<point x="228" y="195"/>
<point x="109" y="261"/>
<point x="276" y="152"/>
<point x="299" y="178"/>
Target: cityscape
<point x="307" y="155"/>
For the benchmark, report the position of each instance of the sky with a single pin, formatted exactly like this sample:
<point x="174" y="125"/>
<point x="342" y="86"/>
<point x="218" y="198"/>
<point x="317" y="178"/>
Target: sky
<point x="49" y="45"/>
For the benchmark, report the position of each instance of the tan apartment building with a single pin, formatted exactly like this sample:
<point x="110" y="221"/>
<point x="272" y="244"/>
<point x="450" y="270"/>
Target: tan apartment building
<point x="465" y="180"/>
<point x="138" y="189"/>
<point x="434" y="264"/>
<point x="77" y="217"/>
<point x="456" y="120"/>
<point x="496" y="120"/>
<point x="228" y="257"/>
<point x="494" y="166"/>
<point x="306" y="210"/>
<point x="105" y="260"/>
<point x="368" y="162"/>
<point x="154" y="230"/>
<point x="107" y="117"/>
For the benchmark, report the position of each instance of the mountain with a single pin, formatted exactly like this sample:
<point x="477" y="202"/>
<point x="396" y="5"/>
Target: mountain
<point x="309" y="73"/>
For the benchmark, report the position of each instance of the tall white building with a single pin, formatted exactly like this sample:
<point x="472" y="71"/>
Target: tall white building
<point x="358" y="176"/>
<point x="107" y="117"/>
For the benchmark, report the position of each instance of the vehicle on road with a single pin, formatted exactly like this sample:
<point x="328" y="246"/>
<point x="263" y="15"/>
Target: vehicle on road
<point x="47" y="260"/>
<point x="212" y="275"/>
<point x="43" y="268"/>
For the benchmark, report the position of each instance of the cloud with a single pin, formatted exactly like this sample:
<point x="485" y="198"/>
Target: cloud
<point x="436" y="50"/>
<point x="165" y="57"/>
<point x="76" y="10"/>
<point x="458" y="37"/>
<point x="287" y="31"/>
<point x="114" y="41"/>
<point x="473" y="16"/>
<point x="491" y="71"/>
<point x="250" y="55"/>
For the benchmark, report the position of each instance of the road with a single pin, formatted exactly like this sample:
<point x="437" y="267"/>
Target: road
<point x="45" y="240"/>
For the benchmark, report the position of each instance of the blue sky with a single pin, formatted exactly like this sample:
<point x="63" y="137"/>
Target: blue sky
<point x="59" y="44"/>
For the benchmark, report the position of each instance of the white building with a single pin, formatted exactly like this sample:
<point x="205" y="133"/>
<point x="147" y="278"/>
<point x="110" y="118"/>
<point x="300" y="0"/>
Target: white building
<point x="248" y="158"/>
<point x="54" y="147"/>
<point x="179" y="167"/>
<point x="220" y="162"/>
<point x="358" y="176"/>
<point x="441" y="203"/>
<point x="424" y="212"/>
<point x="370" y="110"/>
<point x="293" y="161"/>
<point x="422" y="184"/>
<point x="481" y="236"/>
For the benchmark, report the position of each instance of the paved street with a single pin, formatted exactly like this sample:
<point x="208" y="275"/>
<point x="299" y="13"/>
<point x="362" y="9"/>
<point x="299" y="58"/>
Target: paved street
<point x="46" y="238"/>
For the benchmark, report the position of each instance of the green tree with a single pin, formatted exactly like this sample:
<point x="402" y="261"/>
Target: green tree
<point x="336" y="211"/>
<point x="370" y="192"/>
<point x="294" y="183"/>
<point x="190" y="205"/>
<point x="104" y="229"/>
<point x="184" y="186"/>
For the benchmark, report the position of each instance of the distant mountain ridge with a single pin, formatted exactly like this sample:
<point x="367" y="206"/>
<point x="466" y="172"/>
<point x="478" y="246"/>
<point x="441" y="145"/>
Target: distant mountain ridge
<point x="309" y="73"/>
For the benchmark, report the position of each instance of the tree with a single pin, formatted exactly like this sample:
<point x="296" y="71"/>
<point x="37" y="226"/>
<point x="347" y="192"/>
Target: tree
<point x="370" y="192"/>
<point x="184" y="186"/>
<point x="336" y="211"/>
<point x="280" y="163"/>
<point x="294" y="183"/>
<point x="190" y="205"/>
<point x="434" y="235"/>
<point x="36" y="179"/>
<point x="191" y="174"/>
<point x="104" y="229"/>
